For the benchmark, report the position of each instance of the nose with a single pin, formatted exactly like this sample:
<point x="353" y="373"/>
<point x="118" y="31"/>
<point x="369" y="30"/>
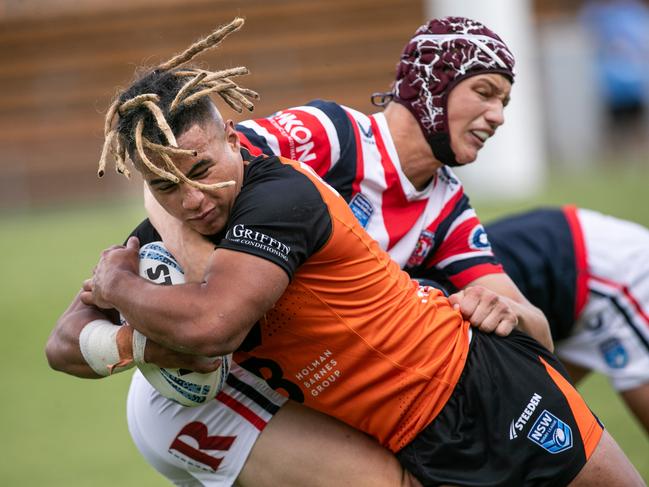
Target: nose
<point x="192" y="197"/>
<point x="495" y="114"/>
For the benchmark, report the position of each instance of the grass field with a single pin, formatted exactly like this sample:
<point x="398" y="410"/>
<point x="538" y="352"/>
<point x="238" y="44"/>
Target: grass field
<point x="63" y="431"/>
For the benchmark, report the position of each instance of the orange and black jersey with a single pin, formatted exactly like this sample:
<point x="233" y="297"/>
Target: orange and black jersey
<point x="358" y="338"/>
<point x="352" y="336"/>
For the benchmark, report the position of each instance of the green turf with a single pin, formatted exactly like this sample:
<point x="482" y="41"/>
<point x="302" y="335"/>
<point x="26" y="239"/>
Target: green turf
<point x="63" y="431"/>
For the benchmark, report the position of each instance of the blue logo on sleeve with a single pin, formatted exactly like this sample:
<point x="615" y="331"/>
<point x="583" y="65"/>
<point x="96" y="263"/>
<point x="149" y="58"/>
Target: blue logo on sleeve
<point x="478" y="239"/>
<point x="614" y="353"/>
<point x="550" y="433"/>
<point x="361" y="208"/>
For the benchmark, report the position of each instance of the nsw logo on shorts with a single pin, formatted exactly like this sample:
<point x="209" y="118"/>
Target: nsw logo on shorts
<point x="550" y="433"/>
<point x="614" y="353"/>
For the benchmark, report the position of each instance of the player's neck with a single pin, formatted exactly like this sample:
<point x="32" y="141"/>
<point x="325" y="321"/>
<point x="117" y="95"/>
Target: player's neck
<point x="417" y="160"/>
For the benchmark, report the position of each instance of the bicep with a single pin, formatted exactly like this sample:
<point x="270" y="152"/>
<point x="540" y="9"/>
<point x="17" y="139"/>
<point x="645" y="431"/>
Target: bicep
<point x="245" y="285"/>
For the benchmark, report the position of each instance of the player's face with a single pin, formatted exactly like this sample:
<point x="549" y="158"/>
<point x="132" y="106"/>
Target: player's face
<point x="218" y="160"/>
<point x="475" y="110"/>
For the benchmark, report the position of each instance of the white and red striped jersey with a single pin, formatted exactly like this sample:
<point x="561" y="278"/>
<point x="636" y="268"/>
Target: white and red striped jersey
<point x="431" y="233"/>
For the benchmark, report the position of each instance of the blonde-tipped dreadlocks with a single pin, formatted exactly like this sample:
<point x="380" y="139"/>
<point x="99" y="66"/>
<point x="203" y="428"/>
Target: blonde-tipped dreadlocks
<point x="148" y="112"/>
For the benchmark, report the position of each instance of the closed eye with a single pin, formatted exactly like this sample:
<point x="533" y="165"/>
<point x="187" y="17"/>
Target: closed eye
<point x="201" y="169"/>
<point x="165" y="187"/>
<point x="201" y="174"/>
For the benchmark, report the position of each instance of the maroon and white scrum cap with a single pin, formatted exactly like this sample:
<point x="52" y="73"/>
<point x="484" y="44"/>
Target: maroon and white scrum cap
<point x="442" y="53"/>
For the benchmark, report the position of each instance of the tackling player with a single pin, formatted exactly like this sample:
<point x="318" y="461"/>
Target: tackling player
<point x="291" y="254"/>
<point x="370" y="160"/>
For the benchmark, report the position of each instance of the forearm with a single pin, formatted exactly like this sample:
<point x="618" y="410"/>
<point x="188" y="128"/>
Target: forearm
<point x="183" y="317"/>
<point x="532" y="321"/>
<point x="62" y="350"/>
<point x="192" y="250"/>
<point x="210" y="318"/>
<point x="64" y="353"/>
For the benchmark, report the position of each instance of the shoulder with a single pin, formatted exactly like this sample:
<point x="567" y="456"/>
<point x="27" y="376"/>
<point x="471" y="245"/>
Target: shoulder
<point x="145" y="233"/>
<point x="282" y="183"/>
<point x="280" y="214"/>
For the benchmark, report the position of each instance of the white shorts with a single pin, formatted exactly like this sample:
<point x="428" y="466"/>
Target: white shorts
<point x="205" y="445"/>
<point x="611" y="335"/>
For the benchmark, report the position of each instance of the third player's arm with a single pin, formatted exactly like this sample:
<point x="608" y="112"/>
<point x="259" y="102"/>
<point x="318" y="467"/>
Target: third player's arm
<point x="528" y="317"/>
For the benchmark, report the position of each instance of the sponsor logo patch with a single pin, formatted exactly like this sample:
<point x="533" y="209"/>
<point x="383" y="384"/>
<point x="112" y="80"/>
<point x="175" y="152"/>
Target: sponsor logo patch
<point x="550" y="433"/>
<point x="614" y="353"/>
<point x="519" y="424"/>
<point x="299" y="137"/>
<point x="423" y="247"/>
<point x="361" y="208"/>
<point x="199" y="452"/>
<point x="366" y="132"/>
<point x="245" y="236"/>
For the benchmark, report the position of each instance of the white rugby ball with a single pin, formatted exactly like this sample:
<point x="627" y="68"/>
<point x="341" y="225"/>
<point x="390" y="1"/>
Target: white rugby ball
<point x="182" y="386"/>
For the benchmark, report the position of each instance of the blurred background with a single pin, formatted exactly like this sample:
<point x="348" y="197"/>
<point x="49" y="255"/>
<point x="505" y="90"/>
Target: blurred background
<point x="577" y="132"/>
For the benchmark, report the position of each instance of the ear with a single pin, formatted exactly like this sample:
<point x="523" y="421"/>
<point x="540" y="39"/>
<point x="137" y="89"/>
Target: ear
<point x="231" y="136"/>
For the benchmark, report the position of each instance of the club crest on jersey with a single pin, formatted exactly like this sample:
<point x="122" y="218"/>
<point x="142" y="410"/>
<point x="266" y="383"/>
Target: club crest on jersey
<point x="550" y="433"/>
<point x="423" y="247"/>
<point x="361" y="208"/>
<point x="478" y="239"/>
<point x="614" y="353"/>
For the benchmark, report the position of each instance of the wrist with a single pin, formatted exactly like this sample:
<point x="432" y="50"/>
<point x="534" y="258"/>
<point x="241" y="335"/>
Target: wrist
<point x="105" y="347"/>
<point x="131" y="344"/>
<point x="119" y="288"/>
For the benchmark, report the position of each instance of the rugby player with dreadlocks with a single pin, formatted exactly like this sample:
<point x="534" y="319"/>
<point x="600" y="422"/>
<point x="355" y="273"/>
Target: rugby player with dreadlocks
<point x="299" y="446"/>
<point x="294" y="266"/>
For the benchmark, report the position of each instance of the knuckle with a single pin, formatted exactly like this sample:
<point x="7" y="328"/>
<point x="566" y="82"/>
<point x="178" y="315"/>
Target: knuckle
<point x="487" y="327"/>
<point x="474" y="291"/>
<point x="494" y="300"/>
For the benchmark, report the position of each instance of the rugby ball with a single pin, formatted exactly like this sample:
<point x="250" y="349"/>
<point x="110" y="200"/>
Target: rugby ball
<point x="182" y="386"/>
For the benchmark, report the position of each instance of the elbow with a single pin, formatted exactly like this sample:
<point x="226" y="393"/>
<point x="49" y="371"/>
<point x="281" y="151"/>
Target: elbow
<point x="547" y="332"/>
<point x="53" y="358"/>
<point x="550" y="344"/>
<point x="214" y="339"/>
<point x="216" y="346"/>
<point x="543" y="332"/>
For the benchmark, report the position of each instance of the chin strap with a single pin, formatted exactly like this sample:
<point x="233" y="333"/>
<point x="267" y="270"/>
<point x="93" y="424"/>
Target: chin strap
<point x="441" y="146"/>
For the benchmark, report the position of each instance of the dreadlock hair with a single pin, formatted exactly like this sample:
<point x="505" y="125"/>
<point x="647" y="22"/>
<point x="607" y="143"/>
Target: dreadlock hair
<point x="165" y="101"/>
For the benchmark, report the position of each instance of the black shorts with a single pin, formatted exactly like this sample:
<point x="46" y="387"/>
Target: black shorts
<point x="512" y="420"/>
